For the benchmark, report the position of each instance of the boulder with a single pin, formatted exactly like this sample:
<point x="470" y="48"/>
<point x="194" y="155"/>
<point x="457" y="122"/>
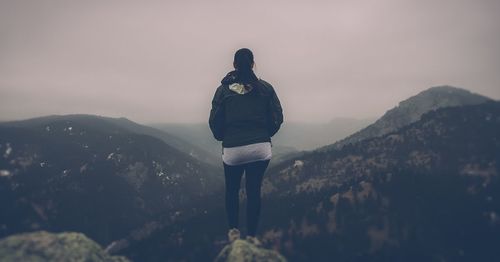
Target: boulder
<point x="46" y="246"/>
<point x="243" y="251"/>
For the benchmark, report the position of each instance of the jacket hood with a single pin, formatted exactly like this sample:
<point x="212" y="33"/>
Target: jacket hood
<point x="233" y="77"/>
<point x="240" y="88"/>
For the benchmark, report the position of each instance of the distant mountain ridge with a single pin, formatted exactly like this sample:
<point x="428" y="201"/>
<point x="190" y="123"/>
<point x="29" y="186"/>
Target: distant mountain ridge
<point x="121" y="124"/>
<point x="200" y="134"/>
<point x="290" y="141"/>
<point x="309" y="136"/>
<point x="410" y="110"/>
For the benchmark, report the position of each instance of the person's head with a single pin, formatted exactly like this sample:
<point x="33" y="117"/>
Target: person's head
<point x="243" y="60"/>
<point x="243" y="63"/>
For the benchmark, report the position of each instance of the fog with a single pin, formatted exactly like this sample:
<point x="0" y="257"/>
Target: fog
<point x="161" y="61"/>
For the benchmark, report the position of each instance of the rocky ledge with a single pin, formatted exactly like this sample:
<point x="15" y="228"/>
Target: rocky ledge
<point x="46" y="246"/>
<point x="243" y="251"/>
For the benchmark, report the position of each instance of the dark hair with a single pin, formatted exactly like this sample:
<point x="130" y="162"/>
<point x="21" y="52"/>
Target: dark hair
<point x="243" y="61"/>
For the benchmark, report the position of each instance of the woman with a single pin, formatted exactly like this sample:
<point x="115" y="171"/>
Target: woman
<point x="246" y="113"/>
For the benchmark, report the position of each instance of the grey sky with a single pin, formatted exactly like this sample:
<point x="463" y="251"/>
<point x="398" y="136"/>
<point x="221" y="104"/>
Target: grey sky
<point x="160" y="61"/>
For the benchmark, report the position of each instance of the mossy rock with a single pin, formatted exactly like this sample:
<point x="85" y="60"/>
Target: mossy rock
<point x="46" y="246"/>
<point x="243" y="251"/>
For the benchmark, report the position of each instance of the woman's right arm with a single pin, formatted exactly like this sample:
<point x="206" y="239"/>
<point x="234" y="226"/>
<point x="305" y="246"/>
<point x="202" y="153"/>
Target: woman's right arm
<point x="216" y="119"/>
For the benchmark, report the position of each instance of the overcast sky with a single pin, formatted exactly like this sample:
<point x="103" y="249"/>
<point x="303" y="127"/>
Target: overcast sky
<point x="161" y="61"/>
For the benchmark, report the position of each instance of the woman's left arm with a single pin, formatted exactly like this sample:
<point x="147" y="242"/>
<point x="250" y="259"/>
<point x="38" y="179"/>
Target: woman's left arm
<point x="276" y="113"/>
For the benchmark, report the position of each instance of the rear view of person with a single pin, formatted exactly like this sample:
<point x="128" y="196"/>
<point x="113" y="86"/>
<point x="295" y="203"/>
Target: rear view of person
<point x="245" y="114"/>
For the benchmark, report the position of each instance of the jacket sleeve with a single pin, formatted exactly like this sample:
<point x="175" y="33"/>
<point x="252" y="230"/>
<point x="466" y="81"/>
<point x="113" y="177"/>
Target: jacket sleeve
<point x="276" y="114"/>
<point x="217" y="116"/>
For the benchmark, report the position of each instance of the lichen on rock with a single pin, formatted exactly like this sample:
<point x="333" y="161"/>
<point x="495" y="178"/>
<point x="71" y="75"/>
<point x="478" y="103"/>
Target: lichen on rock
<point x="46" y="246"/>
<point x="243" y="251"/>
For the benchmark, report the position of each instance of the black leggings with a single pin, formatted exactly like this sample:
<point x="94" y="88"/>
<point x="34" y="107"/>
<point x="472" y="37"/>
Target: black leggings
<point x="254" y="172"/>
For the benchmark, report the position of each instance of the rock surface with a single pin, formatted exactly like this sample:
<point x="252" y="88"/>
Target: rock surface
<point x="46" y="246"/>
<point x="242" y="251"/>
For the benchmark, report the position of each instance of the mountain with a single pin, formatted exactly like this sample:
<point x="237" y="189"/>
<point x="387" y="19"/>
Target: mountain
<point x="198" y="133"/>
<point x="426" y="191"/>
<point x="411" y="109"/>
<point x="92" y="175"/>
<point x="107" y="123"/>
<point x="429" y="191"/>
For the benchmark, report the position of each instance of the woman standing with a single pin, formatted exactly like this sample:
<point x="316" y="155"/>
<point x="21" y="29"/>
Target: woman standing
<point x="246" y="113"/>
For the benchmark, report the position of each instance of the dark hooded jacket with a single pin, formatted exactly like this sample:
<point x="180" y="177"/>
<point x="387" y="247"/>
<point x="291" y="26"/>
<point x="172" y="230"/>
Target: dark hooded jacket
<point x="240" y="119"/>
